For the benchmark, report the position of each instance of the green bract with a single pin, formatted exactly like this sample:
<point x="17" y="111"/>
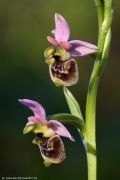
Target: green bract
<point x="72" y="103"/>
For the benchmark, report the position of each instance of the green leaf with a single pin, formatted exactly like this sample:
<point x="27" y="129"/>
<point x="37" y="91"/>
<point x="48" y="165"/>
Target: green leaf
<point x="75" y="110"/>
<point x="72" y="103"/>
<point x="68" y="118"/>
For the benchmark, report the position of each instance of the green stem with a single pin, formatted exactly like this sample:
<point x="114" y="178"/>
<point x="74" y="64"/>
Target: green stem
<point x="99" y="7"/>
<point x="103" y="44"/>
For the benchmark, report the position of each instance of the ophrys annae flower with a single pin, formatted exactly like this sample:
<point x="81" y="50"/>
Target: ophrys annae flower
<point x="60" y="57"/>
<point x="47" y="133"/>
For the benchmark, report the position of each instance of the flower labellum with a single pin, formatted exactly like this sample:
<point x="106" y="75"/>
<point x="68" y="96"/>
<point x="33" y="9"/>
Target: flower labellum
<point x="64" y="72"/>
<point x="60" y="57"/>
<point x="52" y="149"/>
<point x="47" y="133"/>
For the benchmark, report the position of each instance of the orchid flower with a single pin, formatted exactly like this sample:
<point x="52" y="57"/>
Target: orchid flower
<point x="48" y="132"/>
<point x="62" y="72"/>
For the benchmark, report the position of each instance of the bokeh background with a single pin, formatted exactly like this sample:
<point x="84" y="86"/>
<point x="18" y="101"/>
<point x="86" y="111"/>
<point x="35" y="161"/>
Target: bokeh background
<point x="24" y="26"/>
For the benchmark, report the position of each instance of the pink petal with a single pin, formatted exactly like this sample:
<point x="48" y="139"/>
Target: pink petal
<point x="81" y="48"/>
<point x="62" y="31"/>
<point x="52" y="40"/>
<point x="33" y="120"/>
<point x="65" y="45"/>
<point x="60" y="129"/>
<point x="37" y="109"/>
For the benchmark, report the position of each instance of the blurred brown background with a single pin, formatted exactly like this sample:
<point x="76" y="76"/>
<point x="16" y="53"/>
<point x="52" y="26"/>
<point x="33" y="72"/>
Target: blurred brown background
<point x="24" y="26"/>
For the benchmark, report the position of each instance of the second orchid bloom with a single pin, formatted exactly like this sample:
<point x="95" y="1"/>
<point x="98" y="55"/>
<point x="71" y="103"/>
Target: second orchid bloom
<point x="60" y="57"/>
<point x="47" y="133"/>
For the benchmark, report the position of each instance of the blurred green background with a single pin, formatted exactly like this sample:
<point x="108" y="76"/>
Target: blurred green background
<point x="24" y="26"/>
